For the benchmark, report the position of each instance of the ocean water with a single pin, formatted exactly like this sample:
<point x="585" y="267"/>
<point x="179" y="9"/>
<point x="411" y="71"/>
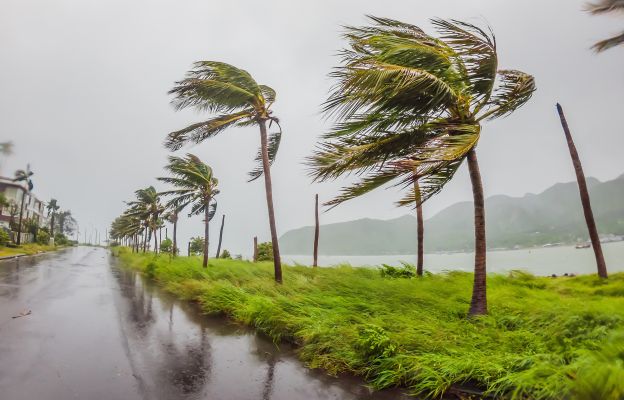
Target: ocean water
<point x="538" y="261"/>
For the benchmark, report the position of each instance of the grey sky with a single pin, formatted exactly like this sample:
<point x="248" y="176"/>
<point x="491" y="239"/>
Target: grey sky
<point x="83" y="96"/>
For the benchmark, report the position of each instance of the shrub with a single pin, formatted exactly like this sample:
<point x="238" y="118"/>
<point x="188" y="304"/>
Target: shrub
<point x="166" y="245"/>
<point x="404" y="271"/>
<point x="197" y="245"/>
<point x="4" y="237"/>
<point x="43" y="237"/>
<point x="265" y="251"/>
<point x="226" y="254"/>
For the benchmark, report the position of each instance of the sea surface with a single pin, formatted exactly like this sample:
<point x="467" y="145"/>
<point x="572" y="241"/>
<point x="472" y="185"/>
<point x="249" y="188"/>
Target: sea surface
<point x="538" y="261"/>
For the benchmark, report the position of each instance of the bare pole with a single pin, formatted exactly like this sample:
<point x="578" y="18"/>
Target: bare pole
<point x="585" y="201"/>
<point x="316" y="231"/>
<point x="255" y="249"/>
<point x="220" y="236"/>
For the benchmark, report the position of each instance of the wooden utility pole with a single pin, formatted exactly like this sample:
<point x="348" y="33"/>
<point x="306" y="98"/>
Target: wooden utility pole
<point x="316" y="231"/>
<point x="220" y="236"/>
<point x="582" y="184"/>
<point x="255" y="253"/>
<point x="188" y="250"/>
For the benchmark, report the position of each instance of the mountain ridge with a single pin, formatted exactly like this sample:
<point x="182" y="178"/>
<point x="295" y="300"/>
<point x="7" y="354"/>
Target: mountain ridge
<point x="552" y="216"/>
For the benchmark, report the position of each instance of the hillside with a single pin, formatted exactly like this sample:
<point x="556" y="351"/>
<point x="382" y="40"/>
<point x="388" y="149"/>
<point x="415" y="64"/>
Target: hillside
<point x="555" y="215"/>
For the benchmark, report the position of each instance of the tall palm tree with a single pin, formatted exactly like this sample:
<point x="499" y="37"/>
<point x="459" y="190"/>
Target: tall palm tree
<point x="602" y="7"/>
<point x="410" y="107"/>
<point x="196" y="187"/>
<point x="148" y="208"/>
<point x="238" y="100"/>
<point x="52" y="208"/>
<point x="23" y="175"/>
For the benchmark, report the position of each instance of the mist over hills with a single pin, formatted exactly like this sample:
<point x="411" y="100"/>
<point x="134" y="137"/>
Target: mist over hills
<point x="552" y="216"/>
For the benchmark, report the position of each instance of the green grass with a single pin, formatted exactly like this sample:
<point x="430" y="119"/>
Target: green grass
<point x="543" y="339"/>
<point x="28" y="249"/>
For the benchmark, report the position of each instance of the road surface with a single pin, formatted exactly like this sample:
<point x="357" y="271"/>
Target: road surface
<point x="96" y="331"/>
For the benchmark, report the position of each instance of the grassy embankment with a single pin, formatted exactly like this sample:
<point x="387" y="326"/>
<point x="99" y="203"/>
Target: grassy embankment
<point x="28" y="249"/>
<point x="544" y="338"/>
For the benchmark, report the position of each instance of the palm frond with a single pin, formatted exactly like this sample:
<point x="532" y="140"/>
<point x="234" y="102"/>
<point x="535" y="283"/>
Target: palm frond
<point x="605" y="6"/>
<point x="273" y="146"/>
<point x="513" y="91"/>
<point x="609" y="43"/>
<point x="197" y="133"/>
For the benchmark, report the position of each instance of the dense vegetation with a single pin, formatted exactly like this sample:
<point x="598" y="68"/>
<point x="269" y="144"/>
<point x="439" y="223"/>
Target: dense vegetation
<point x="544" y="338"/>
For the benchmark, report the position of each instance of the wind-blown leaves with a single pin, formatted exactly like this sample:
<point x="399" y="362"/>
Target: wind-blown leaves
<point x="408" y="105"/>
<point x="513" y="91"/>
<point x="602" y="7"/>
<point x="194" y="182"/>
<point x="197" y="133"/>
<point x="272" y="148"/>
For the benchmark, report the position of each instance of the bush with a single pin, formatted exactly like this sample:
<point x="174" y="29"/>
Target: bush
<point x="404" y="271"/>
<point x="265" y="251"/>
<point x="226" y="254"/>
<point x="43" y="237"/>
<point x="166" y="245"/>
<point x="60" y="239"/>
<point x="4" y="237"/>
<point x="197" y="245"/>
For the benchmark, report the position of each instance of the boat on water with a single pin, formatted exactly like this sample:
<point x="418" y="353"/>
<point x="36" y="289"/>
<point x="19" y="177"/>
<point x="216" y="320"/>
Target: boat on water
<point x="582" y="246"/>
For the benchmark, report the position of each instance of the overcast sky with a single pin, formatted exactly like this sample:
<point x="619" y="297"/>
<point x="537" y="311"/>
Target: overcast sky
<point x="83" y="96"/>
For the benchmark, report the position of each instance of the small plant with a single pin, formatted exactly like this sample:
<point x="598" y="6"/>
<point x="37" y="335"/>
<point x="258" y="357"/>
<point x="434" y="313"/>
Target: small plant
<point x="197" y="245"/>
<point x="374" y="343"/>
<point x="404" y="271"/>
<point x="43" y="237"/>
<point x="166" y="245"/>
<point x="265" y="251"/>
<point x="226" y="254"/>
<point x="4" y="237"/>
<point x="150" y="270"/>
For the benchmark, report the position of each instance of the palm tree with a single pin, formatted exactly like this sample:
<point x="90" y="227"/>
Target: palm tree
<point x="410" y="108"/>
<point x="196" y="187"/>
<point x="238" y="100"/>
<point x="602" y="7"/>
<point x="147" y="208"/>
<point x="22" y="175"/>
<point x="172" y="217"/>
<point x="52" y="208"/>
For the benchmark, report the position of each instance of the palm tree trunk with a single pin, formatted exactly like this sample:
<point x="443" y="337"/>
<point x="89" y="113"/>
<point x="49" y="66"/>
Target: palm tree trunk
<point x="52" y="226"/>
<point x="19" y="221"/>
<point x="206" y="232"/>
<point x="478" y="305"/>
<point x="316" y="231"/>
<point x="420" y="230"/>
<point x="155" y="241"/>
<point x="277" y="262"/>
<point x="255" y="249"/>
<point x="587" y="210"/>
<point x="220" y="236"/>
<point x="145" y="238"/>
<point x="175" y="232"/>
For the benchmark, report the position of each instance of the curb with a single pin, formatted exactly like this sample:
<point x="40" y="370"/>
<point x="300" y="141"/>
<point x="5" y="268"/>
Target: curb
<point x="11" y="257"/>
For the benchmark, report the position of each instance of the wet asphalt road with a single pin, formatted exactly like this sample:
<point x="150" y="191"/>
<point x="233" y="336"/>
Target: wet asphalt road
<point x="99" y="332"/>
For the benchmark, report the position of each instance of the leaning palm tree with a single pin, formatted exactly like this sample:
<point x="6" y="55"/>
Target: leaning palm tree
<point x="602" y="7"/>
<point x="172" y="216"/>
<point x="238" y="100"/>
<point x="23" y="175"/>
<point x="52" y="208"/>
<point x="196" y="187"/>
<point x="410" y="107"/>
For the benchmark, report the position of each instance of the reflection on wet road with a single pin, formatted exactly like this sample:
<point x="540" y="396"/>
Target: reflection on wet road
<point x="100" y="332"/>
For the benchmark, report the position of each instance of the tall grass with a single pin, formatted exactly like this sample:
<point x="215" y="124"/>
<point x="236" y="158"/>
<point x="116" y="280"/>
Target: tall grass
<point x="543" y="339"/>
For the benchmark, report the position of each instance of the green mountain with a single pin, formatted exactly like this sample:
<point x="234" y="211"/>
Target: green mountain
<point x="553" y="216"/>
